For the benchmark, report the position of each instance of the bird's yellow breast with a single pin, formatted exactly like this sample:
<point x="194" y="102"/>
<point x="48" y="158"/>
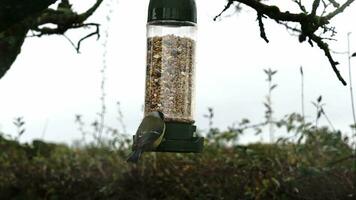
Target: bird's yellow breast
<point x="159" y="140"/>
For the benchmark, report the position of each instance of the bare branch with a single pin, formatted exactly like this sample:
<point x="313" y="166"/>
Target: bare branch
<point x="13" y="12"/>
<point x="35" y="16"/>
<point x="90" y="11"/>
<point x="262" y="28"/>
<point x="334" y="3"/>
<point x="50" y="31"/>
<point x="65" y="18"/>
<point x="316" y="4"/>
<point x="309" y="23"/>
<point x="325" y="5"/>
<point x="293" y="29"/>
<point x="96" y="32"/>
<point x="71" y="42"/>
<point x="272" y="12"/>
<point x="300" y="5"/>
<point x="228" y="5"/>
<point x="339" y="9"/>
<point x="325" y="47"/>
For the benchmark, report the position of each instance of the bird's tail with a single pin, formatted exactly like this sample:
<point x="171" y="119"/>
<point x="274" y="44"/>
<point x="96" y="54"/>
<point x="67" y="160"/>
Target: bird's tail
<point x="134" y="156"/>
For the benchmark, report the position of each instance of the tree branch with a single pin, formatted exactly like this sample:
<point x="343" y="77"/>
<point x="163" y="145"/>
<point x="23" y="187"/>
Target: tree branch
<point x="36" y="15"/>
<point x="316" y="4"/>
<point x="90" y="11"/>
<point x="334" y="3"/>
<point x="96" y="32"/>
<point x="228" y="5"/>
<point x="300" y="5"/>
<point x="13" y="12"/>
<point x="262" y="28"/>
<point x="309" y="22"/>
<point x="65" y="19"/>
<point x="324" y="46"/>
<point x="10" y="46"/>
<point x="339" y="10"/>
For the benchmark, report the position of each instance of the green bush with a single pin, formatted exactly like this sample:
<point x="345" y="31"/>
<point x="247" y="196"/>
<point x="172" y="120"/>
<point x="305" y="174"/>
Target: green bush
<point x="319" y="168"/>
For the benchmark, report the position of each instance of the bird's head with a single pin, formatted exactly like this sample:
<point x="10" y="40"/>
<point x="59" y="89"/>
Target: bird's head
<point x="157" y="114"/>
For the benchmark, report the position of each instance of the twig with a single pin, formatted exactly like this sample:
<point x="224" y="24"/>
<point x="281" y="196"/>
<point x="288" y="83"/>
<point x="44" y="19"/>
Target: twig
<point x="302" y="93"/>
<point x="96" y="32"/>
<point x="334" y="3"/>
<point x="262" y="28"/>
<point x="339" y="9"/>
<point x="71" y="42"/>
<point x="90" y="11"/>
<point x="350" y="79"/>
<point x="326" y="6"/>
<point x="121" y="118"/>
<point x="327" y="119"/>
<point x="300" y="5"/>
<point x="338" y="52"/>
<point x="59" y="31"/>
<point x="228" y="5"/>
<point x="295" y="29"/>
<point x="323" y="46"/>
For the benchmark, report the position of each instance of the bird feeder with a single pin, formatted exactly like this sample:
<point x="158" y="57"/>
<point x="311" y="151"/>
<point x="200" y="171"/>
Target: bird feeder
<point x="170" y="72"/>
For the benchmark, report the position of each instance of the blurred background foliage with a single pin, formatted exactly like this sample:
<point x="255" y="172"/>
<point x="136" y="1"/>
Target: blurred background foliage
<point x="315" y="163"/>
<point x="320" y="167"/>
<point x="308" y="162"/>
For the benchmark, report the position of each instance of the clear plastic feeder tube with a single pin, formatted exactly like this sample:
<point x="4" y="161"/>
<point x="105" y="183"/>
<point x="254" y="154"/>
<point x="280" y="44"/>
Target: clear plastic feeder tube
<point x="170" y="72"/>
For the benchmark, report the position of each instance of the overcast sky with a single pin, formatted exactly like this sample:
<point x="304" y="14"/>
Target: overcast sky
<point x="49" y="83"/>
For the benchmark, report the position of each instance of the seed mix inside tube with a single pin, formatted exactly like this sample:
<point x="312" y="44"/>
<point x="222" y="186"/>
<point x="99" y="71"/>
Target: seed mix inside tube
<point x="170" y="77"/>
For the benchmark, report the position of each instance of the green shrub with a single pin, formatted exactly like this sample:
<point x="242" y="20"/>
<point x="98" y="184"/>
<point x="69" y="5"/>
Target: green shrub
<point x="310" y="170"/>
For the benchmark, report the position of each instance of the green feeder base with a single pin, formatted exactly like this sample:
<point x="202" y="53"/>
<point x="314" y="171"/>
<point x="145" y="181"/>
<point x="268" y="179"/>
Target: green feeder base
<point x="180" y="137"/>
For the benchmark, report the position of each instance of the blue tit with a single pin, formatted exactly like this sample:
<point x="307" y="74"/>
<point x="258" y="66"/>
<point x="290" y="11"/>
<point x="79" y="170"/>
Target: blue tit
<point x="149" y="135"/>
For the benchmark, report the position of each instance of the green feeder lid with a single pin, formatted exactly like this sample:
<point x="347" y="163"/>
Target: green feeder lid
<point x="179" y="10"/>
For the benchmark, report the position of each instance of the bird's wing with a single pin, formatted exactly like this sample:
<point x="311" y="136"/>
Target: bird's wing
<point x="150" y="123"/>
<point x="147" y="139"/>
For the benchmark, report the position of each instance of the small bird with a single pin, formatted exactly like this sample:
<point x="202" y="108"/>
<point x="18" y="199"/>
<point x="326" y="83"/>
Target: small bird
<point x="149" y="135"/>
